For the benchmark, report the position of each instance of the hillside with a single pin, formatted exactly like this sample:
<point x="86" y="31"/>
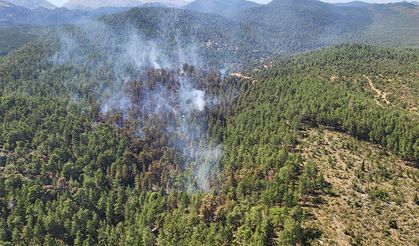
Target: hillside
<point x="312" y="17"/>
<point x="214" y="40"/>
<point x="13" y="38"/>
<point x="368" y="186"/>
<point x="291" y="123"/>
<point x="279" y="28"/>
<point x="224" y="8"/>
<point x="119" y="164"/>
<point x="393" y="25"/>
<point x="168" y="3"/>
<point x="95" y="4"/>
<point x="320" y="23"/>
<point x="30" y="4"/>
<point x="4" y="4"/>
<point x="12" y="15"/>
<point x="338" y="117"/>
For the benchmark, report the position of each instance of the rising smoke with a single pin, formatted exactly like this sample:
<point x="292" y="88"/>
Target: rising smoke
<point x="148" y="80"/>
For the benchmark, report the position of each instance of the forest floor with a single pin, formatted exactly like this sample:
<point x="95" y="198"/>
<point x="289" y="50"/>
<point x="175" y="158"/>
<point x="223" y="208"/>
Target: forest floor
<point x="241" y="76"/>
<point x="372" y="198"/>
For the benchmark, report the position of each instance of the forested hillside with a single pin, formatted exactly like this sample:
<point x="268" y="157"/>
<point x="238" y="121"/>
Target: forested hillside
<point x="90" y="178"/>
<point x="354" y="104"/>
<point x="391" y="25"/>
<point x="228" y="9"/>
<point x="210" y="125"/>
<point x="14" y="38"/>
<point x="15" y="15"/>
<point x="30" y="4"/>
<point x="242" y="32"/>
<point x="83" y="166"/>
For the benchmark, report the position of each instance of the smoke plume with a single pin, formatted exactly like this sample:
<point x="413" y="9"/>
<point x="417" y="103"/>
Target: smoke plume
<point x="146" y="79"/>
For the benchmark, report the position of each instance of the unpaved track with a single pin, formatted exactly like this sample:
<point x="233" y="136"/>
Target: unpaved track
<point x="380" y="94"/>
<point x="239" y="75"/>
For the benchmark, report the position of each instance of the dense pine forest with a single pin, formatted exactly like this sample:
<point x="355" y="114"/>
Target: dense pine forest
<point x="161" y="126"/>
<point x="72" y="175"/>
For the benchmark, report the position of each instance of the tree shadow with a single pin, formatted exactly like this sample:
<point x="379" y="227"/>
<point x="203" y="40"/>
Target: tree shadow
<point x="311" y="234"/>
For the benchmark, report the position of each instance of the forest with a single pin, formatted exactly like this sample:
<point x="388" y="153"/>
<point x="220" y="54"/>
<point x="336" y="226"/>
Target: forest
<point x="74" y="174"/>
<point x="161" y="126"/>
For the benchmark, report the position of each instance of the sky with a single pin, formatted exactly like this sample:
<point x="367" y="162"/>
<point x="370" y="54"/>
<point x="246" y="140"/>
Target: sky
<point x="61" y="2"/>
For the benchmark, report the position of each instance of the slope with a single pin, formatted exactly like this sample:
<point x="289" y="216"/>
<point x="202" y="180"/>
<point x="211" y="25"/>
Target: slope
<point x="95" y="4"/>
<point x="345" y="69"/>
<point x="372" y="197"/>
<point x="224" y="8"/>
<point x="217" y="40"/>
<point x="393" y="24"/>
<point x="368" y="195"/>
<point x="312" y="17"/>
<point x="12" y="15"/>
<point x="13" y="38"/>
<point x="323" y="24"/>
<point x="355" y="4"/>
<point x="99" y="168"/>
<point x="32" y="4"/>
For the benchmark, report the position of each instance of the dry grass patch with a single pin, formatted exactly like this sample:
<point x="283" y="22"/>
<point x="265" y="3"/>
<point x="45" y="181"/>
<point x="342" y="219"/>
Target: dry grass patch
<point x="372" y="199"/>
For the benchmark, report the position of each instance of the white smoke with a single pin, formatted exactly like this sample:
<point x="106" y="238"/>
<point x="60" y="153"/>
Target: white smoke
<point x="199" y="99"/>
<point x="130" y="56"/>
<point x="207" y="158"/>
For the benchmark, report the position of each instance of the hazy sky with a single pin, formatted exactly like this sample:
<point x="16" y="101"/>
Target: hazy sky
<point x="61" y="2"/>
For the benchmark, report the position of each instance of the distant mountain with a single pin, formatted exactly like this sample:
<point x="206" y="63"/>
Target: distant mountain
<point x="12" y="38"/>
<point x="95" y="4"/>
<point x="15" y="15"/>
<point x="393" y="23"/>
<point x="354" y="4"/>
<point x="221" y="7"/>
<point x="312" y="18"/>
<point x="226" y="41"/>
<point x="168" y="3"/>
<point x="30" y="4"/>
<point x="154" y="4"/>
<point x="280" y="27"/>
<point x="322" y="24"/>
<point x="4" y="4"/>
<point x="170" y="29"/>
<point x="11" y="14"/>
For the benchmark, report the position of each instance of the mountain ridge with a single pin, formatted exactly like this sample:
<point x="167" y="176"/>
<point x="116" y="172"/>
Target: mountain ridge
<point x="11" y="15"/>
<point x="32" y="4"/>
<point x="95" y="4"/>
<point x="225" y="8"/>
<point x="355" y="4"/>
